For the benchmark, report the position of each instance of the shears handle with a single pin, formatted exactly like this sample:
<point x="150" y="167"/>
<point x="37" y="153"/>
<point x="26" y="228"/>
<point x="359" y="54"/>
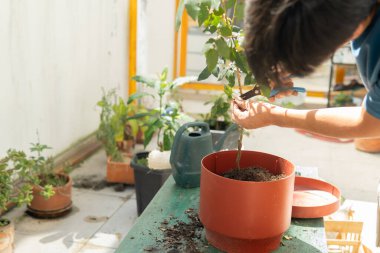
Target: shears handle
<point x="274" y="92"/>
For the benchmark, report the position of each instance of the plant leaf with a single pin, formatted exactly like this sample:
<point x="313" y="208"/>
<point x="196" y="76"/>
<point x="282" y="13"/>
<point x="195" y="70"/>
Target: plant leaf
<point x="178" y="17"/>
<point x="230" y="3"/>
<point x="148" y="81"/>
<point x="222" y="48"/>
<point x="136" y="96"/>
<point x="211" y="59"/>
<point x="225" y="31"/>
<point x="203" y="14"/>
<point x="204" y="74"/>
<point x="192" y="8"/>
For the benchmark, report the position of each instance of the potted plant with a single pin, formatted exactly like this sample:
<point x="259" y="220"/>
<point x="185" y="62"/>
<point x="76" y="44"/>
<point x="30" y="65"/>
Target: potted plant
<point x="116" y="132"/>
<point x="243" y="218"/>
<point x="152" y="168"/>
<point x="51" y="190"/>
<point x="13" y="191"/>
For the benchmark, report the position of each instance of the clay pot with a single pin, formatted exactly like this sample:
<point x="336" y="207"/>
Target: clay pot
<point x="242" y="216"/>
<point x="120" y="172"/>
<point x="61" y="200"/>
<point x="6" y="238"/>
<point x="368" y="145"/>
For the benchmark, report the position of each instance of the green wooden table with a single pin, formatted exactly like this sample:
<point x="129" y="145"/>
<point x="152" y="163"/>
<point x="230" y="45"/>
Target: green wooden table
<point x="171" y="202"/>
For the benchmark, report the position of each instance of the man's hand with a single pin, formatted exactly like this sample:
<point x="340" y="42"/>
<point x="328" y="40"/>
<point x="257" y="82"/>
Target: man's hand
<point x="286" y="82"/>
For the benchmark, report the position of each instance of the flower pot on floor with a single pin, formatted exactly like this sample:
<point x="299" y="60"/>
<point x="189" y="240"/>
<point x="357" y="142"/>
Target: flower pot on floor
<point x="241" y="216"/>
<point x="57" y="205"/>
<point x="120" y="172"/>
<point x="6" y="236"/>
<point x="147" y="181"/>
<point x="371" y="145"/>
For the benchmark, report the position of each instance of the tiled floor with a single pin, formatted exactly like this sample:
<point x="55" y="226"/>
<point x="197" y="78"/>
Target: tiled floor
<point x="100" y="219"/>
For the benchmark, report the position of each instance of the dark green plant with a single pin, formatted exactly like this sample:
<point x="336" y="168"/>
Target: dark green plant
<point x="163" y="120"/>
<point x="115" y="114"/>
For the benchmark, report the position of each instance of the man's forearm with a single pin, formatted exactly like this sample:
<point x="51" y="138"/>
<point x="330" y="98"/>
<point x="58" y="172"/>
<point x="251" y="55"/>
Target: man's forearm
<point x="344" y="122"/>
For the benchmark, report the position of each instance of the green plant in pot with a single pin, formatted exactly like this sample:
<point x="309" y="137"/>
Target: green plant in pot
<point x="13" y="167"/>
<point x="152" y="168"/>
<point x="47" y="193"/>
<point x="248" y="216"/>
<point x="117" y="129"/>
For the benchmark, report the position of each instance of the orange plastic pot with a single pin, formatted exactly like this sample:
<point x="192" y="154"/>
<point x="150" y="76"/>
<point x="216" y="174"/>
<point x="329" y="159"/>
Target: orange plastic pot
<point x="120" y="172"/>
<point x="61" y="200"/>
<point x="241" y="216"/>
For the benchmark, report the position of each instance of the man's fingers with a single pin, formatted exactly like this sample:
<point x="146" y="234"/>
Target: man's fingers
<point x="241" y="104"/>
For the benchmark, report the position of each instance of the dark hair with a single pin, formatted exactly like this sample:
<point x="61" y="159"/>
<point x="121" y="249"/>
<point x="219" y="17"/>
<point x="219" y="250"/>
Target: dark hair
<point x="297" y="35"/>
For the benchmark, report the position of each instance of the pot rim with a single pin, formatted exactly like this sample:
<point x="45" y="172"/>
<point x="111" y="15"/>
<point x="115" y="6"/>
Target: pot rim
<point x="229" y="180"/>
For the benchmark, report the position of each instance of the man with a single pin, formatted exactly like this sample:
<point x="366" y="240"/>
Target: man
<point x="295" y="36"/>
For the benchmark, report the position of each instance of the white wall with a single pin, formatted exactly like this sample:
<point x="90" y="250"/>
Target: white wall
<point x="55" y="55"/>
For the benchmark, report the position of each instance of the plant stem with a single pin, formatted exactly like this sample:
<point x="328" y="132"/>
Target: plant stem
<point x="159" y="131"/>
<point x="241" y="130"/>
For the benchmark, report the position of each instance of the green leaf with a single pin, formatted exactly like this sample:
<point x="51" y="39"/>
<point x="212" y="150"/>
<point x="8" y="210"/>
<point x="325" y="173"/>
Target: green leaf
<point x="219" y="11"/>
<point x="178" y="17"/>
<point x="148" y="81"/>
<point x="208" y="45"/>
<point x="228" y="91"/>
<point x="230" y="76"/>
<point x="203" y="14"/>
<point x="204" y="74"/>
<point x="215" y="72"/>
<point x="248" y="79"/>
<point x="222" y="48"/>
<point x="164" y="74"/>
<point x="225" y="31"/>
<point x="168" y="140"/>
<point x="137" y="95"/>
<point x="211" y="59"/>
<point x="192" y="8"/>
<point x="241" y="61"/>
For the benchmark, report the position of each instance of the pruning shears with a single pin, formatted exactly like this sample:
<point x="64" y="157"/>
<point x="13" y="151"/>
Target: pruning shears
<point x="256" y="92"/>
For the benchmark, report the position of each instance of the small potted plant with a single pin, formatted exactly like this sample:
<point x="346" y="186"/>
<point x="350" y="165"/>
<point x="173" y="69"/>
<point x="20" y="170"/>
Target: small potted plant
<point x="51" y="190"/>
<point x="152" y="168"/>
<point x="116" y="132"/>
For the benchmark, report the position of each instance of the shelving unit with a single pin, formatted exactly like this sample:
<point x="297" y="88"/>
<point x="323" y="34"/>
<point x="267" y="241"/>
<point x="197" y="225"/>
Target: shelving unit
<point x="342" y="58"/>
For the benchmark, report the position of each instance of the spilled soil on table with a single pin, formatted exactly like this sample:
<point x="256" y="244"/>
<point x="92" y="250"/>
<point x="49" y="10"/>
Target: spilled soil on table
<point x="254" y="174"/>
<point x="182" y="236"/>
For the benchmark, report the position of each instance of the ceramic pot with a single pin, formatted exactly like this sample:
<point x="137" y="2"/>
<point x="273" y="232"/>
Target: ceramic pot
<point x="241" y="216"/>
<point x="6" y="238"/>
<point x="61" y="200"/>
<point x="368" y="145"/>
<point x="120" y="172"/>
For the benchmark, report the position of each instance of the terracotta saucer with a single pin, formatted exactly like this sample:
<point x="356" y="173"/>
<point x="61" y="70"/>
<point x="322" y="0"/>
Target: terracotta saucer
<point x="314" y="198"/>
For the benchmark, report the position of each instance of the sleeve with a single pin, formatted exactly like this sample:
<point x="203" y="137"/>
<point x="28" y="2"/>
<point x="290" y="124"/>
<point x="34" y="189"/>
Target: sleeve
<point x="372" y="101"/>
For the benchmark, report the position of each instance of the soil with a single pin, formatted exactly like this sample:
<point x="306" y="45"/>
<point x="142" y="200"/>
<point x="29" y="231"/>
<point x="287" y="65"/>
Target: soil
<point x="93" y="182"/>
<point x="254" y="174"/>
<point x="182" y="236"/>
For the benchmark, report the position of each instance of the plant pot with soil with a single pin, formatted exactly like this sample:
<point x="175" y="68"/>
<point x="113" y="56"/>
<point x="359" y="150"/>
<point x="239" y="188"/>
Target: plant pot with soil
<point x="51" y="190"/>
<point x="153" y="168"/>
<point x="117" y="133"/>
<point x="248" y="216"/>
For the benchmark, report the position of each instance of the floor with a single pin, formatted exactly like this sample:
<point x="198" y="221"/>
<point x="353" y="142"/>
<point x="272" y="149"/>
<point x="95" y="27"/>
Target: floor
<point x="100" y="219"/>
